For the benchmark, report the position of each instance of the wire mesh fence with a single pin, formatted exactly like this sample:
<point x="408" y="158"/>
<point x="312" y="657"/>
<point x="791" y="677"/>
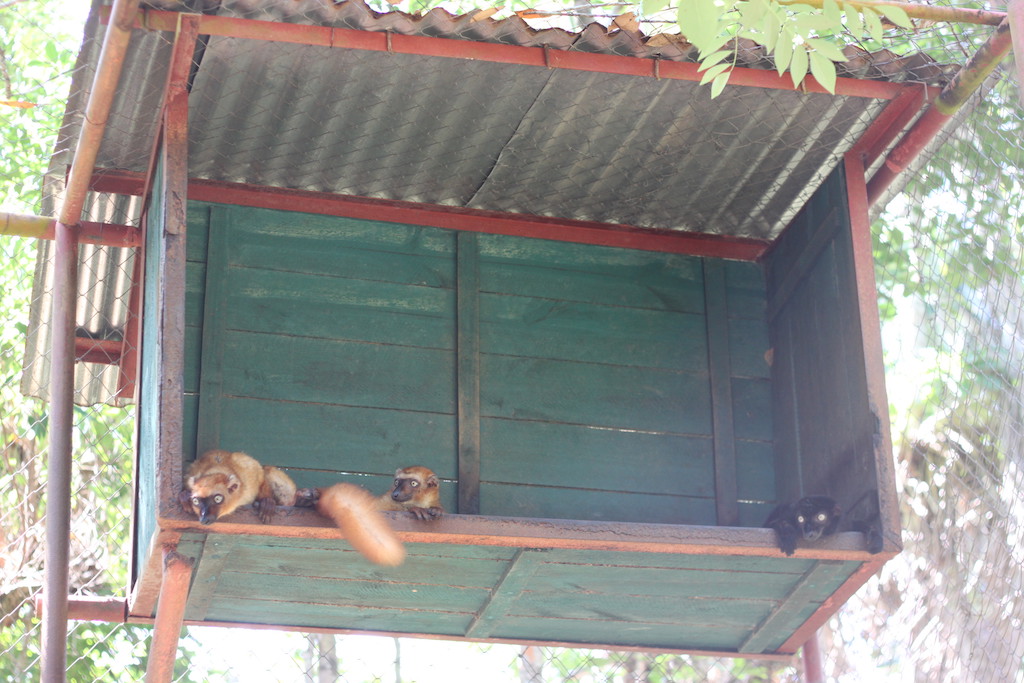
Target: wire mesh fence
<point x="948" y="253"/>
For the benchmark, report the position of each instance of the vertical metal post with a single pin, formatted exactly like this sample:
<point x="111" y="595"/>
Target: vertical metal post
<point x="58" y="483"/>
<point x="170" y="614"/>
<point x="62" y="361"/>
<point x="814" y="671"/>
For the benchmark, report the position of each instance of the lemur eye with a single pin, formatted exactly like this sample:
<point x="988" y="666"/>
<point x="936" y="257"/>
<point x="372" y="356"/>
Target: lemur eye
<point x="397" y="482"/>
<point x="822" y="516"/>
<point x="196" y="501"/>
<point x="218" y="499"/>
<point x="414" y="483"/>
<point x="800" y="519"/>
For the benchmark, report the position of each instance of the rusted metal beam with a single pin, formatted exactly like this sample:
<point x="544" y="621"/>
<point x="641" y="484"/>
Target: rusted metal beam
<point x="353" y="39"/>
<point x="170" y="614"/>
<point x="97" y="110"/>
<point x="93" y="608"/>
<point x="453" y="218"/>
<point x="65" y="296"/>
<point x="104" y="351"/>
<point x="955" y="15"/>
<point x="952" y="97"/>
<point x="43" y="228"/>
<point x="58" y="483"/>
<point x="814" y="671"/>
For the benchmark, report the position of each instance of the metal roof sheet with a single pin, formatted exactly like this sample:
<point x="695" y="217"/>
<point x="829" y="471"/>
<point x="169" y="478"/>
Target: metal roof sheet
<point x="646" y="152"/>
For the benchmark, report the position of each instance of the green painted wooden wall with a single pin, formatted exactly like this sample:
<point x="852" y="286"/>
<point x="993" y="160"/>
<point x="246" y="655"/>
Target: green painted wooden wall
<point x="342" y="349"/>
<point x="825" y="425"/>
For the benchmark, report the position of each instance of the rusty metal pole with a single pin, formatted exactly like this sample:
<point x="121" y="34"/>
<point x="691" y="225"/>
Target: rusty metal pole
<point x="952" y="97"/>
<point x="62" y="360"/>
<point x="814" y="671"/>
<point x="58" y="483"/>
<point x="170" y="614"/>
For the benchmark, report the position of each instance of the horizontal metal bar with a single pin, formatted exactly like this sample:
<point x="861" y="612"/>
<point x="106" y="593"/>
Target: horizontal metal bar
<point x="454" y="218"/>
<point x="957" y="15"/>
<point x="105" y="351"/>
<point x="41" y="227"/>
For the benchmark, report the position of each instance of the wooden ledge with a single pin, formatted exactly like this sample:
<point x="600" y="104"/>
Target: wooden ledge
<point x="547" y="533"/>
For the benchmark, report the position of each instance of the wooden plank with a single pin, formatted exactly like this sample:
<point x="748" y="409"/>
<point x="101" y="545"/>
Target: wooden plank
<point x="266" y="610"/>
<point x="592" y="633"/>
<point x="557" y="329"/>
<point x="752" y="409"/>
<point x="338" y="563"/>
<point x="719" y="375"/>
<point x="548" y="454"/>
<point x="809" y="592"/>
<point x="597" y="581"/>
<point x="372" y="441"/>
<point x="348" y="595"/>
<point x="622" y="611"/>
<point x="210" y="566"/>
<point x="172" y="204"/>
<point x="746" y="290"/>
<point x="805" y="261"/>
<point x="871" y="341"/>
<point x="590" y="274"/>
<point x="300" y="304"/>
<point x="468" y="373"/>
<point x="588" y="504"/>
<point x="506" y="591"/>
<point x="302" y="234"/>
<point x="514" y="532"/>
<point x="648" y="399"/>
<point x="339" y="372"/>
<point x="755" y="471"/>
<point x="215" y="308"/>
<point x="737" y="565"/>
<point x="749" y="348"/>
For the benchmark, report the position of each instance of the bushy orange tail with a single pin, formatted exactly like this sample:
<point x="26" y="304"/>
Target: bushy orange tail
<point x="354" y="510"/>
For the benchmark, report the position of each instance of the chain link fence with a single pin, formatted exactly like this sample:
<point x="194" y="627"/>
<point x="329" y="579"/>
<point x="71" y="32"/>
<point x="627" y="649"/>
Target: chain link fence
<point x="948" y="254"/>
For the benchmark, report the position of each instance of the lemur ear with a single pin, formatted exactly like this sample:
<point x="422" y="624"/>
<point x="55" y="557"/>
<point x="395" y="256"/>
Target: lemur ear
<point x="432" y="480"/>
<point x="233" y="483"/>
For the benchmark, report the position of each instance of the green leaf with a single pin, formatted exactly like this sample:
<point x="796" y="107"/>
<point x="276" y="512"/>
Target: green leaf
<point x="713" y="58"/>
<point x="649" y="7"/>
<point x="714" y="72"/>
<point x="827" y="49"/>
<point x="824" y="71"/>
<point x="897" y="16"/>
<point x="698" y="21"/>
<point x="783" y="54"/>
<point x="807" y="24"/>
<point x="798" y="65"/>
<point x="771" y="26"/>
<point x="853" y="20"/>
<point x="718" y="85"/>
<point x="830" y="8"/>
<point x="873" y="23"/>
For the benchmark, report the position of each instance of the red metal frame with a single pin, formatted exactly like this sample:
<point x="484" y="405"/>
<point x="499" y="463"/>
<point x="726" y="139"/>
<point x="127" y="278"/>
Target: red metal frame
<point x="327" y="36"/>
<point x="452" y="218"/>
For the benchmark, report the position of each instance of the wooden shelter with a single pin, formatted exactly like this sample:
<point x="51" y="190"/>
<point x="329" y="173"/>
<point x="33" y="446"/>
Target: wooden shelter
<point x="621" y="321"/>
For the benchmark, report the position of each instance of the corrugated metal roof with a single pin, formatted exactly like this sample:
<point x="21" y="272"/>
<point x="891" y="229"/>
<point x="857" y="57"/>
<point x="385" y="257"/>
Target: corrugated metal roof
<point x="646" y="152"/>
